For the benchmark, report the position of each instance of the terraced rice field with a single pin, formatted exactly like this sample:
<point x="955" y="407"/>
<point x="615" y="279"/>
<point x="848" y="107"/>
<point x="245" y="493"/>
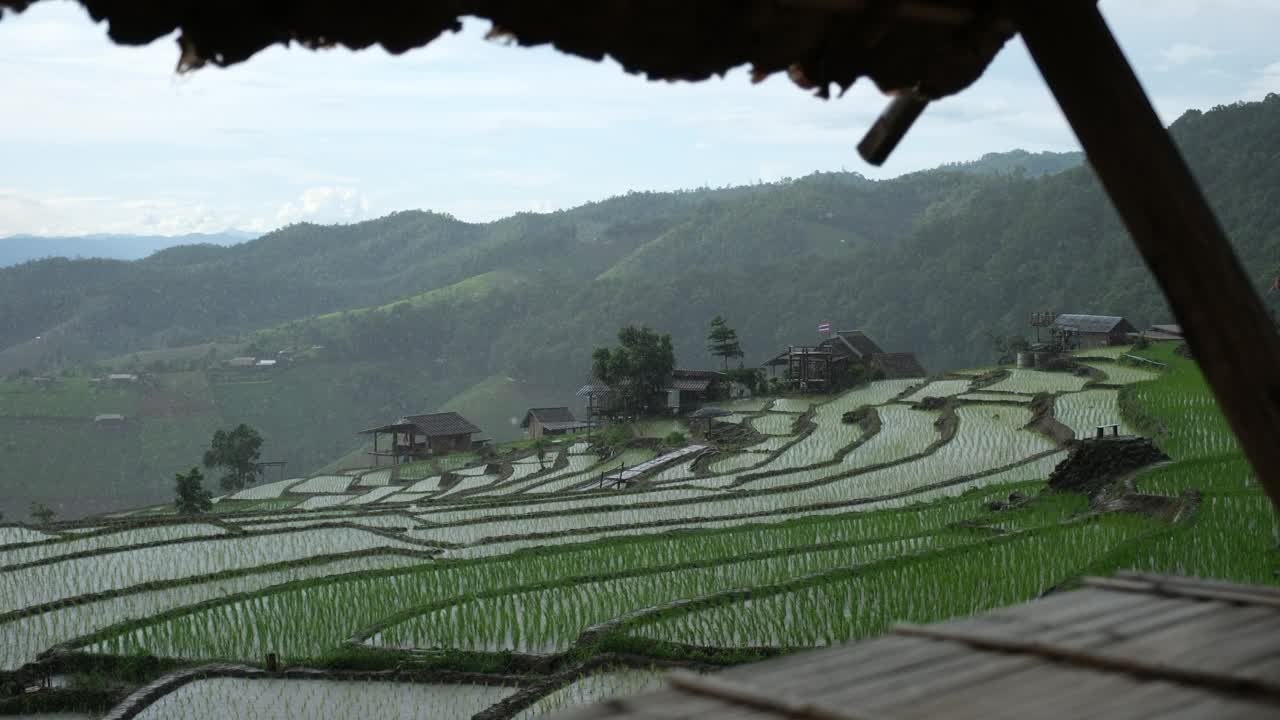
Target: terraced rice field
<point x="1113" y="351"/>
<point x="1122" y="374"/>
<point x="267" y="491"/>
<point x="1030" y="382"/>
<point x="994" y="397"/>
<point x="595" y="687"/>
<point x="1085" y="411"/>
<point x="323" y="484"/>
<point x="824" y="532"/>
<point x="774" y="423"/>
<point x="940" y="388"/>
<point x="269" y="698"/>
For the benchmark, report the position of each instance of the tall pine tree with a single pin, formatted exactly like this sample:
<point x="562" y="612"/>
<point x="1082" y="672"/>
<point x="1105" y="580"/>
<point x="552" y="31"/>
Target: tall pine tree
<point x="192" y="498"/>
<point x="722" y="341"/>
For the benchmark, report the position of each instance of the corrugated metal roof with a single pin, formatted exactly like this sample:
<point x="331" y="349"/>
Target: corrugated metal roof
<point x="858" y="342"/>
<point x="445" y="423"/>
<point x="566" y="425"/>
<point x="689" y="384"/>
<point x="548" y="416"/>
<point x="554" y="414"/>
<point x="1089" y="323"/>
<point x="897" y="366"/>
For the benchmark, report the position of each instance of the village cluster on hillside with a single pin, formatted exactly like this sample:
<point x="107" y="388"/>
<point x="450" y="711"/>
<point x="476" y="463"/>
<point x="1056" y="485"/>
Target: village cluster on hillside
<point x="841" y="360"/>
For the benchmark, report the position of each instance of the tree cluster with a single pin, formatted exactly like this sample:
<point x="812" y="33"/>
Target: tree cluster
<point x="638" y="369"/>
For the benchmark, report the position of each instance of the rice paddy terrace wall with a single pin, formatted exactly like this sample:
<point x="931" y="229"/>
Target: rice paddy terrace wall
<point x="514" y="587"/>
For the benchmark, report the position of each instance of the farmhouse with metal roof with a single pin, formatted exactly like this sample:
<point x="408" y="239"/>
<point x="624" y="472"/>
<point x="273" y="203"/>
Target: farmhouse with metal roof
<point x="551" y="421"/>
<point x="1095" y="330"/>
<point x="416" y="436"/>
<point x="685" y="392"/>
<point x="833" y="363"/>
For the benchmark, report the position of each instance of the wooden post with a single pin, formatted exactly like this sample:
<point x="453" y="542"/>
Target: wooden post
<point x="1225" y="324"/>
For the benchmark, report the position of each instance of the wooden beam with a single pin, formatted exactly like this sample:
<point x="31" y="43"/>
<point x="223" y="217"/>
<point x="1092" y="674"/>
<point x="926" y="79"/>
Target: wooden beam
<point x="1223" y="318"/>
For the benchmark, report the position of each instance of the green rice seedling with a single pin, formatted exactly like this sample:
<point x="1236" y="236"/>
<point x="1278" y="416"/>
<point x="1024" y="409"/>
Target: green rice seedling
<point x="425" y="485"/>
<point x="417" y="470"/>
<point x="374" y="495"/>
<point x="11" y="534"/>
<point x="69" y="578"/>
<point x="674" y="473"/>
<point x="1084" y="411"/>
<point x="577" y="464"/>
<point x="793" y="405"/>
<point x="940" y="388"/>
<point x="267" y="491"/>
<point x="470" y="483"/>
<point x="824" y="487"/>
<point x="994" y="397"/>
<point x="31" y="635"/>
<point x="406" y="497"/>
<point x="774" y="423"/>
<point x="934" y="587"/>
<point x="323" y="484"/>
<point x="1030" y="382"/>
<point x="735" y="462"/>
<point x="317" y="502"/>
<point x="746" y="405"/>
<point x="1111" y="351"/>
<point x="1232" y="537"/>
<point x="375" y="478"/>
<point x="594" y="688"/>
<point x="627" y="458"/>
<point x="830" y="433"/>
<point x="1122" y="374"/>
<point x="452" y="463"/>
<point x="315" y="618"/>
<point x="550" y="620"/>
<point x="57" y="547"/>
<point x="269" y="698"/>
<point x="1220" y="474"/>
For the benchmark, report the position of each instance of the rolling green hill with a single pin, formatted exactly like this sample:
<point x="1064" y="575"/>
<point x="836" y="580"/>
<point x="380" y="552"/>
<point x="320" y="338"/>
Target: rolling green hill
<point x="417" y="310"/>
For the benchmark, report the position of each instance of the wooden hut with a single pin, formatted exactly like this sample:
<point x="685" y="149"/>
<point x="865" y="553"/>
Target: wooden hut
<point x="416" y="436"/>
<point x="830" y="364"/>
<point x="1091" y="331"/>
<point x="540" y="422"/>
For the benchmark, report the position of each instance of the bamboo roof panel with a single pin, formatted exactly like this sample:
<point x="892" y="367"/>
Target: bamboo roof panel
<point x="1134" y="646"/>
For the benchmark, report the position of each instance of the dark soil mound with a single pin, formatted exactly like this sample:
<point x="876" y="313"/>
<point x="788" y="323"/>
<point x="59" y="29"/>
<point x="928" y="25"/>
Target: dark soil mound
<point x="1096" y="462"/>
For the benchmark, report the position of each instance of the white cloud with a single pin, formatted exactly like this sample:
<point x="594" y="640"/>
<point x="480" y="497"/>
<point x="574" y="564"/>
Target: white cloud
<point x="54" y="214"/>
<point x="1183" y="53"/>
<point x="107" y="138"/>
<point x="1267" y="82"/>
<point x="325" y="205"/>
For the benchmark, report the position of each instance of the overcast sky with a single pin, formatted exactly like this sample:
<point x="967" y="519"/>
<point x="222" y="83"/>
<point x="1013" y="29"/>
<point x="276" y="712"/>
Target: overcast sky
<point x="100" y="138"/>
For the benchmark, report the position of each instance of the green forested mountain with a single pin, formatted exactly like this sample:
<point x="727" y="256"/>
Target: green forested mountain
<point x="417" y="310"/>
<point x="1021" y="162"/>
<point x="15" y="249"/>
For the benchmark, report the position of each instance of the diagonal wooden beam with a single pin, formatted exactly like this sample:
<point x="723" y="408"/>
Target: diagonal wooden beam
<point x="1223" y="319"/>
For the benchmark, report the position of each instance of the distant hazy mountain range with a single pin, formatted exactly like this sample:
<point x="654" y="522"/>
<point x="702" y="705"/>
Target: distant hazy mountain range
<point x="419" y="311"/>
<point x="16" y="249"/>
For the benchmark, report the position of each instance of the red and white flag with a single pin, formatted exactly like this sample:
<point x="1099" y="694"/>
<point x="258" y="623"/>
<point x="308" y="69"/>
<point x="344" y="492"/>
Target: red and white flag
<point x="824" y="328"/>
